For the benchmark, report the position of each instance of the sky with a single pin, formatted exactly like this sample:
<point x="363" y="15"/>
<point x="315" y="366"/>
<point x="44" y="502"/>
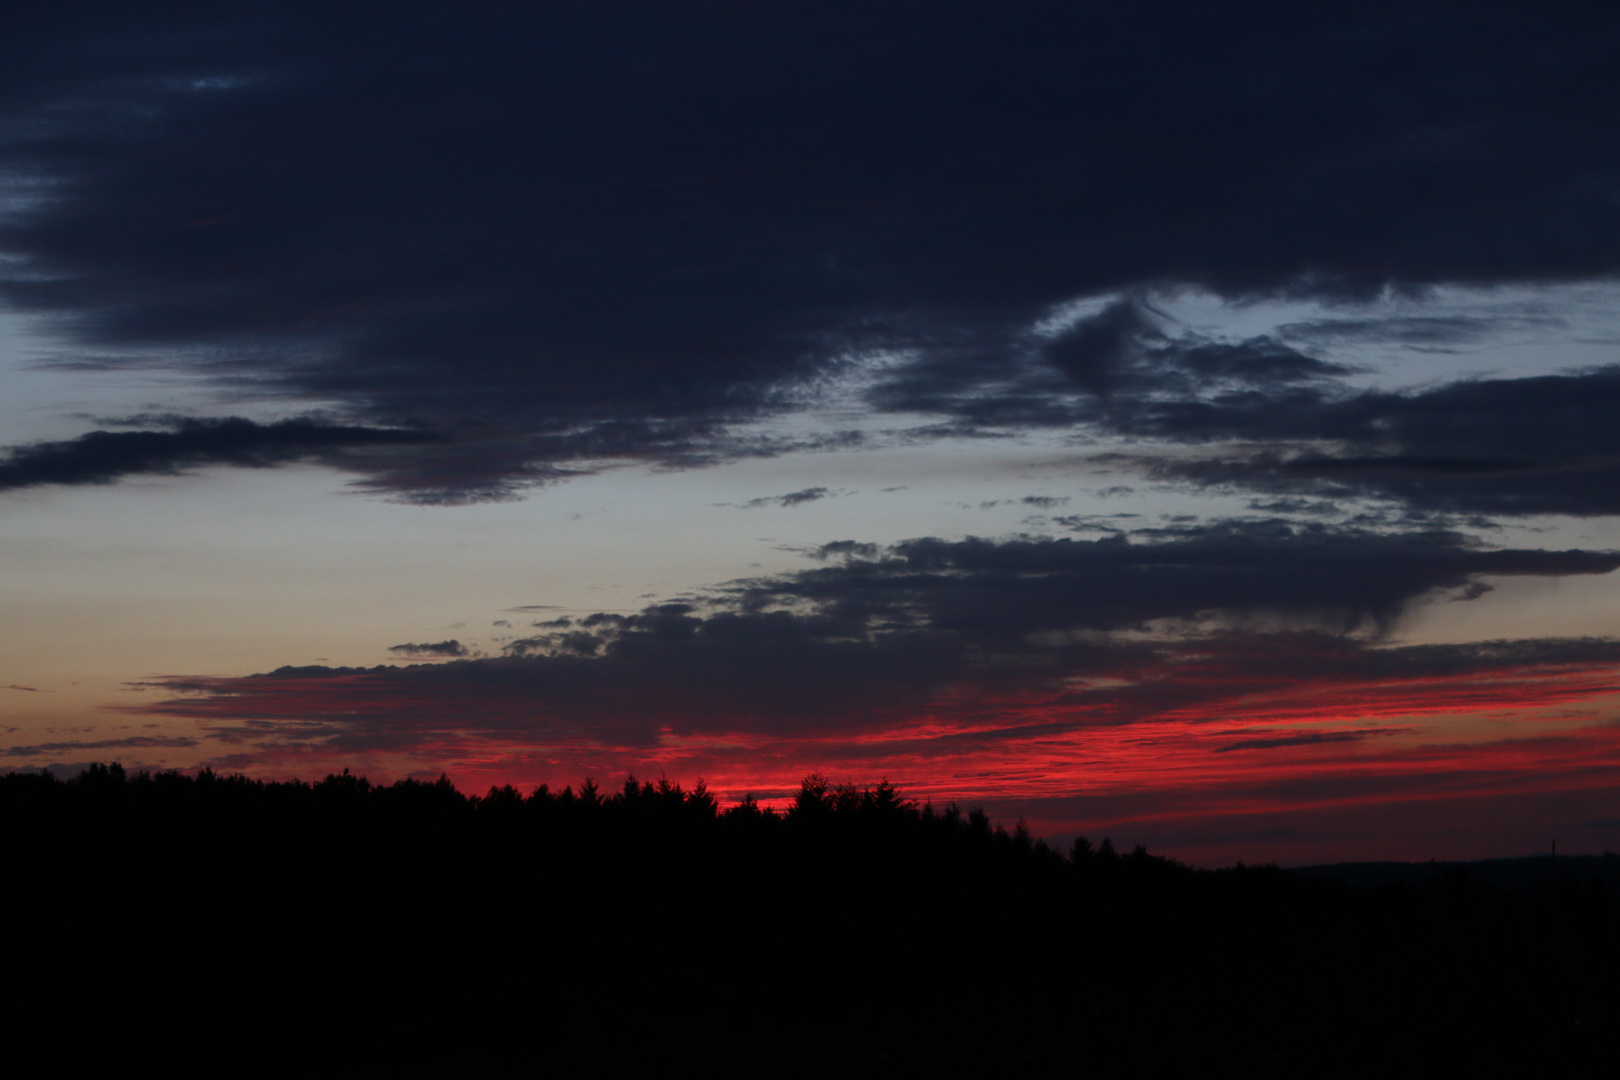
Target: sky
<point x="1185" y="424"/>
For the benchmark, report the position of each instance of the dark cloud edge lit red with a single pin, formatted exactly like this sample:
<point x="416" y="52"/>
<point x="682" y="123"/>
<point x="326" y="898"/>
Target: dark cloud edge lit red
<point x="1202" y="751"/>
<point x="951" y="644"/>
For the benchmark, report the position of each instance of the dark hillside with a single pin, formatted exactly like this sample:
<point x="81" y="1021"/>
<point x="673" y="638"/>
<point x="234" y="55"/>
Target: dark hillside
<point x="222" y="924"/>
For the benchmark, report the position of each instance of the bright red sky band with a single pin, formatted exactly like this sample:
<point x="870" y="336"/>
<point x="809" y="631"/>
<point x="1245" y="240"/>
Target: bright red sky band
<point x="1335" y="750"/>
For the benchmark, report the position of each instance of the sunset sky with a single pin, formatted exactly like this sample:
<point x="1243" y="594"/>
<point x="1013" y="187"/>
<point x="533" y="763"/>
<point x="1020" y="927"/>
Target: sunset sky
<point x="1193" y="424"/>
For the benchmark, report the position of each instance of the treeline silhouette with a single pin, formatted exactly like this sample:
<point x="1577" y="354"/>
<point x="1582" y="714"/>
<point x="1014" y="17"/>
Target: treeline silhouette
<point x="224" y="924"/>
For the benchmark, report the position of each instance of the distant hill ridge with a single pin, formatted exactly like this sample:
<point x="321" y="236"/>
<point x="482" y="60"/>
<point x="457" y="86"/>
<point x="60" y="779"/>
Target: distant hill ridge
<point x="1519" y="875"/>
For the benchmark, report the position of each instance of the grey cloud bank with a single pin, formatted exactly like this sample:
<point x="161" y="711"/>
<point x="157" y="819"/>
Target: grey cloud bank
<point x="845" y="647"/>
<point x="559" y="234"/>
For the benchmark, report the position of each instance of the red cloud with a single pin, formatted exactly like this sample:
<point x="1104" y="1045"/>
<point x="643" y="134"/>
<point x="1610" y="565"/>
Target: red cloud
<point x="1221" y="728"/>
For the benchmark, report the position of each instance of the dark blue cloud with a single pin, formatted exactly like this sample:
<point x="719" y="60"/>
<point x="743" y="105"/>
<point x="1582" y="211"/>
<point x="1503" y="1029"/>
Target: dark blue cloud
<point x="988" y="591"/>
<point x="562" y="232"/>
<point x="1540" y="445"/>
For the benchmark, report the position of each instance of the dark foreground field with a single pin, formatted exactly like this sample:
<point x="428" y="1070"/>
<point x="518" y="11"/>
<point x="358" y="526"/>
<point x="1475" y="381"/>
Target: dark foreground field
<point x="228" y="926"/>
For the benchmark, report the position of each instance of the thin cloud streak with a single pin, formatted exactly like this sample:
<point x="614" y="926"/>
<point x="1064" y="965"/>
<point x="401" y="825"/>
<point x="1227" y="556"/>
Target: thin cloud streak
<point x="102" y="457"/>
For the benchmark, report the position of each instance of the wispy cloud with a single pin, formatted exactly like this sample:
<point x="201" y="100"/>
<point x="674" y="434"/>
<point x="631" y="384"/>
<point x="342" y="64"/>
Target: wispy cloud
<point x="93" y="746"/>
<point x="793" y="498"/>
<point x="450" y="648"/>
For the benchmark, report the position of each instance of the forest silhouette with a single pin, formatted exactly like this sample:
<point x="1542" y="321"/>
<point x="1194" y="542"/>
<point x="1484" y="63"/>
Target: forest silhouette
<point x="225" y="924"/>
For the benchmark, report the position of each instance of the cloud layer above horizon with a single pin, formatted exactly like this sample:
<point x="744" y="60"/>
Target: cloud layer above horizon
<point x="1236" y="654"/>
<point x="1121" y="631"/>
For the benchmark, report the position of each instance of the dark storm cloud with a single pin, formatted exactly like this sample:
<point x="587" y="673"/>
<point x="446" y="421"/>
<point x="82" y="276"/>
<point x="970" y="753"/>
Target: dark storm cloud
<point x="984" y="590"/>
<point x="101" y="457"/>
<point x="1541" y="445"/>
<point x="1124" y="367"/>
<point x="929" y="627"/>
<point x="563" y="232"/>
<point x="1123" y="349"/>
